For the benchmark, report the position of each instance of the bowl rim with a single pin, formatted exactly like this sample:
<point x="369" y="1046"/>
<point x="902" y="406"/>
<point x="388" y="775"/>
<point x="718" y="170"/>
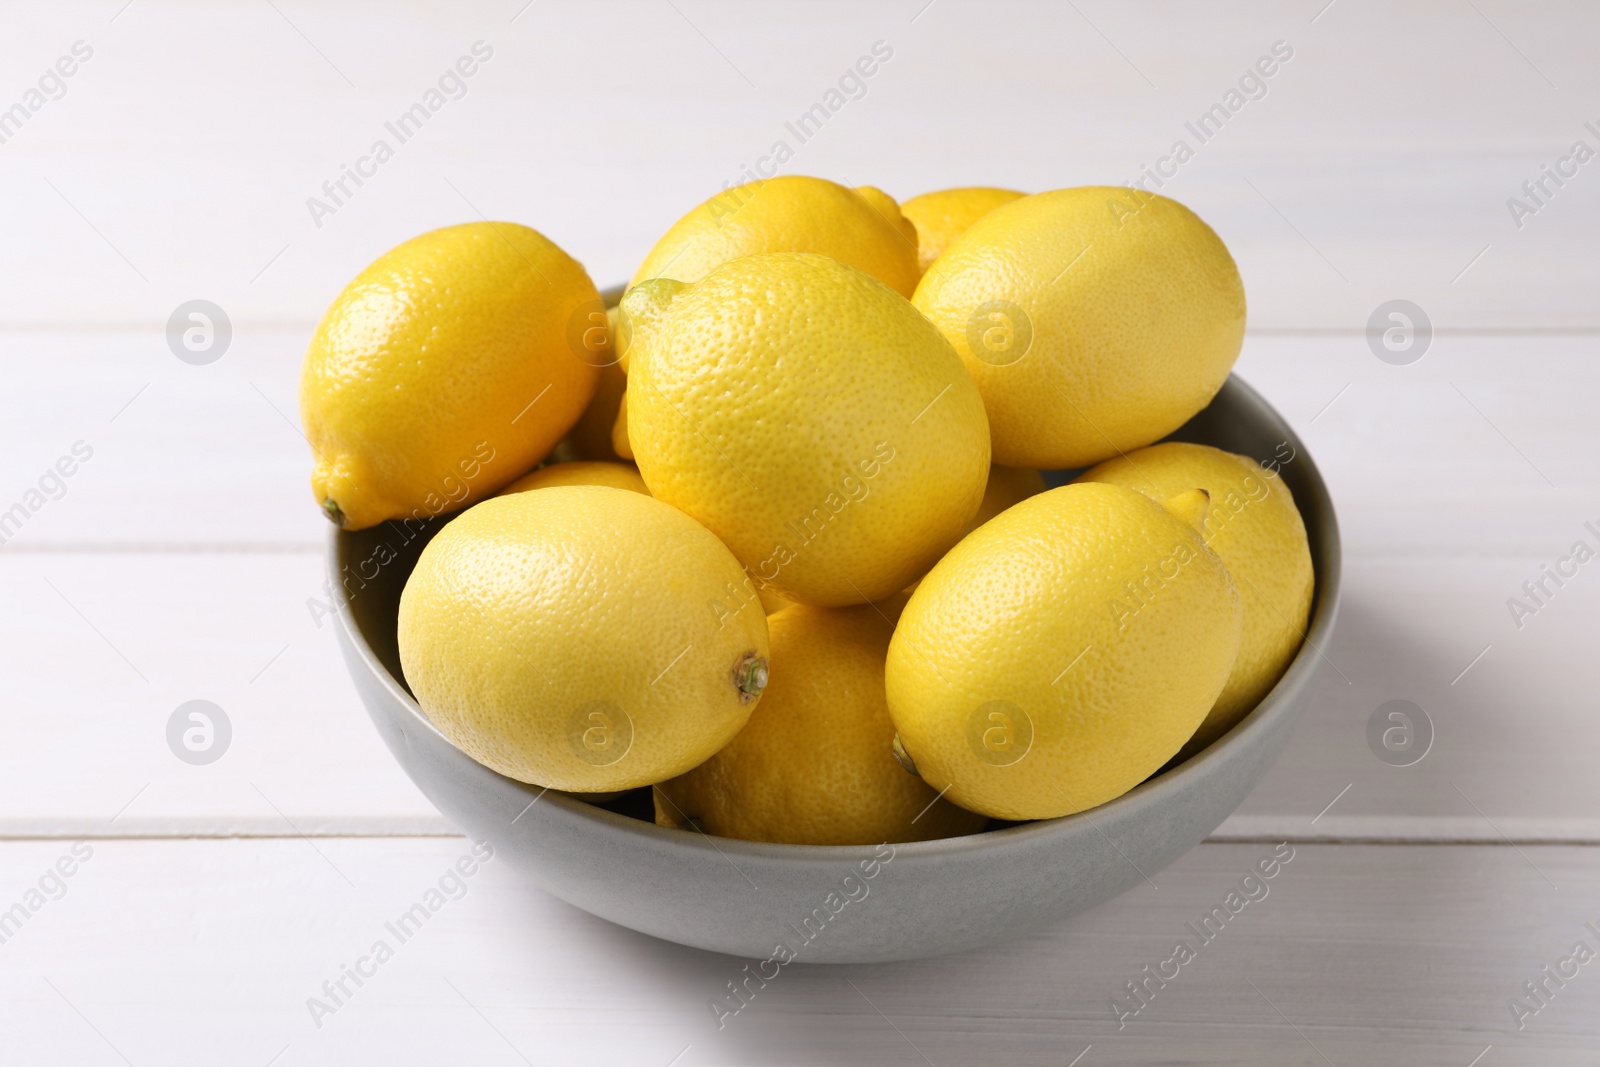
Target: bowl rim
<point x="1155" y="792"/>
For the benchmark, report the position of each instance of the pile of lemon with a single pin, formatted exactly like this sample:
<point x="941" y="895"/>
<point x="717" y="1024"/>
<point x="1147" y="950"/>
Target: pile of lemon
<point x="770" y="536"/>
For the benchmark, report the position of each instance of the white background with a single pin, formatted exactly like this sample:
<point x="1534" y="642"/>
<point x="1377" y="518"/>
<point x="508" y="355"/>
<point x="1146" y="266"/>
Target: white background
<point x="183" y="561"/>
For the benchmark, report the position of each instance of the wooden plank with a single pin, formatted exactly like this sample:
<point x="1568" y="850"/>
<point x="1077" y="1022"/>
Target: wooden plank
<point x="1455" y="476"/>
<point x="1468" y="451"/>
<point x="179" y="455"/>
<point x="1509" y="728"/>
<point x="205" y="952"/>
<point x="1378" y="164"/>
<point x="102" y="648"/>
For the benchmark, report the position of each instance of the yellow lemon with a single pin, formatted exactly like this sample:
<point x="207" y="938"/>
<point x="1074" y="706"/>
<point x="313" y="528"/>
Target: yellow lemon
<point x="619" y="429"/>
<point x="791" y="213"/>
<point x="1062" y="652"/>
<point x="885" y="205"/>
<point x="562" y="637"/>
<point x="943" y="216"/>
<point x="649" y="304"/>
<point x="1095" y="320"/>
<point x="590" y="438"/>
<point x="1254" y="526"/>
<point x="446" y="368"/>
<point x="580" y="472"/>
<point x="815" y="763"/>
<point x="1007" y="486"/>
<point x="812" y="420"/>
<point x="772" y="602"/>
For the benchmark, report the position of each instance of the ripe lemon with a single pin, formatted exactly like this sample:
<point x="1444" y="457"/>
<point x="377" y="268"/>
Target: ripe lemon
<point x="815" y="763"/>
<point x="1007" y="486"/>
<point x="637" y="317"/>
<point x="1254" y="526"/>
<point x="580" y="472"/>
<point x="1095" y="321"/>
<point x="619" y="429"/>
<point x="444" y="370"/>
<point x="943" y="216"/>
<point x="772" y="602"/>
<point x="590" y="438"/>
<point x="791" y="213"/>
<point x="1063" y="651"/>
<point x="886" y="206"/>
<point x="811" y="419"/>
<point x="563" y="637"/>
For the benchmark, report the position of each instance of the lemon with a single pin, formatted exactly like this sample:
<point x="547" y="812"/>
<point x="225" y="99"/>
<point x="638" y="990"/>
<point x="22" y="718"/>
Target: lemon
<point x="619" y="429"/>
<point x="580" y="472"/>
<point x="1095" y="321"/>
<point x="1254" y="526"/>
<point x="943" y="216"/>
<point x="1063" y="651"/>
<point x="449" y="366"/>
<point x="1006" y="486"/>
<point x="885" y="205"/>
<point x="639" y="315"/>
<point x="791" y="213"/>
<point x="649" y="305"/>
<point x="772" y="602"/>
<point x="811" y="419"/>
<point x="563" y="637"/>
<point x="814" y="765"/>
<point x="590" y="438"/>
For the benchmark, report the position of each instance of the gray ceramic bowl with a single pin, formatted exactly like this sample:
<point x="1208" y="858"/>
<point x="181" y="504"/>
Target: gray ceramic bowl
<point x="839" y="904"/>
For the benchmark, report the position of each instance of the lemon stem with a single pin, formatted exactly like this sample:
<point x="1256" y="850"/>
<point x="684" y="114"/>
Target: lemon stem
<point x="902" y="757"/>
<point x="750" y="676"/>
<point x="330" y="508"/>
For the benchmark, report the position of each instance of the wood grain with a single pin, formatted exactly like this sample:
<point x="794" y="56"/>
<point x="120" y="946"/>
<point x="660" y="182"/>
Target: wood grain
<point x="1377" y="165"/>
<point x="102" y="647"/>
<point x="182" y="560"/>
<point x="206" y="952"/>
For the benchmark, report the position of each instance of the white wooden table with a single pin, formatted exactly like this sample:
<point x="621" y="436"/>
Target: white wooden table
<point x="181" y="559"/>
